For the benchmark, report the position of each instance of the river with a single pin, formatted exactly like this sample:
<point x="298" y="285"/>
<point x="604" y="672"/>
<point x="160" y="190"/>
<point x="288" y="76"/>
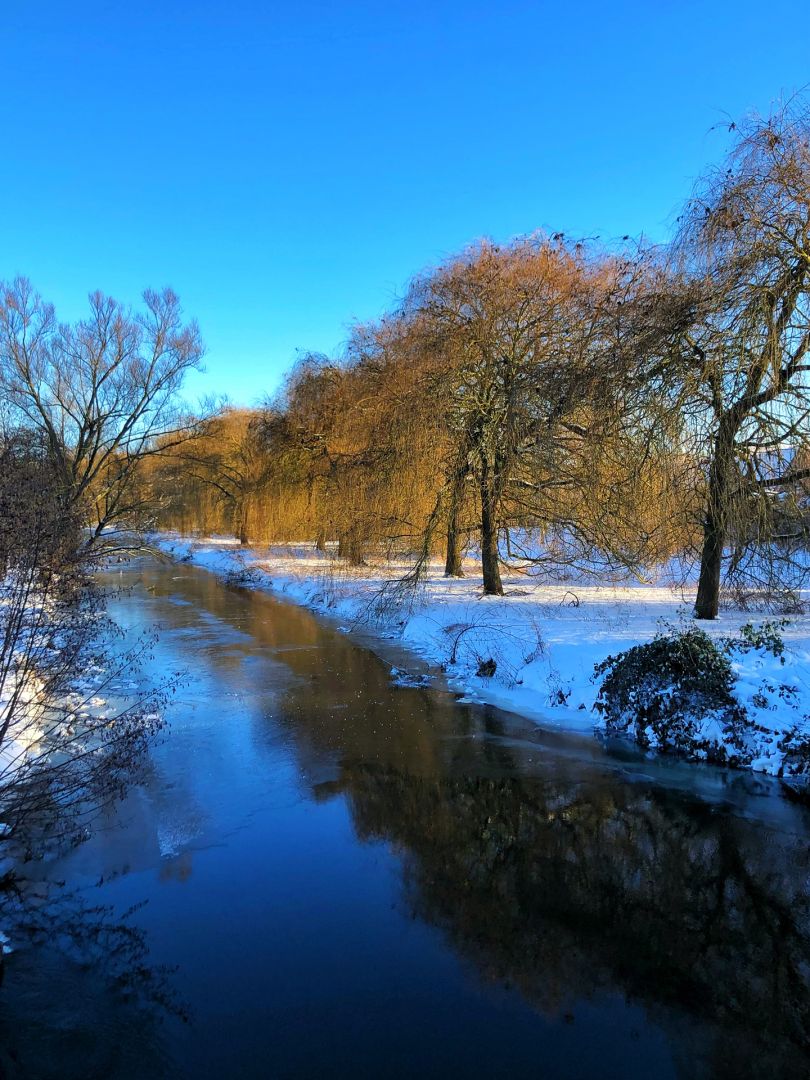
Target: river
<point x="322" y="873"/>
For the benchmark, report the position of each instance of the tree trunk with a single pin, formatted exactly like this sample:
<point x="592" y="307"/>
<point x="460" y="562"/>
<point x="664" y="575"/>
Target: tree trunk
<point x="715" y="526"/>
<point x="489" y="535"/>
<point x="320" y="541"/>
<point x="243" y="532"/>
<point x="350" y="548"/>
<point x="452" y="563"/>
<point x="707" y="604"/>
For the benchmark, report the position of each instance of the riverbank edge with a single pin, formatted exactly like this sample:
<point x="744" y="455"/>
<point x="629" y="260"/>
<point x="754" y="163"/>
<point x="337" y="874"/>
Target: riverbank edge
<point x="531" y="652"/>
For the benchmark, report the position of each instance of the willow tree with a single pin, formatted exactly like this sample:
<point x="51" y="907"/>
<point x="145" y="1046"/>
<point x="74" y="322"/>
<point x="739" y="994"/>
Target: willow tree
<point x="744" y="248"/>
<point x="221" y="461"/>
<point x="351" y="435"/>
<point x="317" y="428"/>
<point x="511" y="330"/>
<point x="405" y="435"/>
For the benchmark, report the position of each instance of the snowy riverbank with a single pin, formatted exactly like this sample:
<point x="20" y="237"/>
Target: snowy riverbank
<point x="544" y="639"/>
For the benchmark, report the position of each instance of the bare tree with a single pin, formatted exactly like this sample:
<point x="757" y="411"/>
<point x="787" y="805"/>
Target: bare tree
<point x="744" y="260"/>
<point x="65" y="749"/>
<point x="103" y="392"/>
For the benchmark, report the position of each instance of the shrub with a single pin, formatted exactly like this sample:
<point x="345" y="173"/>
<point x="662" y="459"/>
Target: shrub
<point x="796" y="745"/>
<point x="674" y="694"/>
<point x="795" y="772"/>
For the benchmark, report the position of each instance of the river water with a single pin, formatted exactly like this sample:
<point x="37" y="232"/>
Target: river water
<point x="322" y="873"/>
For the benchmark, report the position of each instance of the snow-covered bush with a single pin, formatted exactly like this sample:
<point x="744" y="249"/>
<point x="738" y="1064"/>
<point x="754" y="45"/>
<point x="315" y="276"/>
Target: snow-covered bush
<point x="675" y="694"/>
<point x="795" y="773"/>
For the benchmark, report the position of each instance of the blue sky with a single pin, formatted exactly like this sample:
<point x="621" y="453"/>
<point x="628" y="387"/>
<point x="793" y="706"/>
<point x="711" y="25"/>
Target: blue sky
<point x="286" y="167"/>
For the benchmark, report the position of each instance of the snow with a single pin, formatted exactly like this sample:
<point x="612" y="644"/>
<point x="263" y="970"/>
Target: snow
<point x="545" y="638"/>
<point x="22" y="732"/>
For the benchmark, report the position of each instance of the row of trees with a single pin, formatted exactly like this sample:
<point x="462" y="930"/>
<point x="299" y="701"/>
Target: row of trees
<point x="552" y="403"/>
<point x="498" y="400"/>
<point x="542" y="403"/>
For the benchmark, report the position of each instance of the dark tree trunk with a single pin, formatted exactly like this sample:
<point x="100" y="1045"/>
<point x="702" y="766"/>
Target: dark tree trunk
<point x="351" y="549"/>
<point x="320" y="541"/>
<point x="243" y="532"/>
<point x="490" y="567"/>
<point x="452" y="562"/>
<point x="715" y="526"/>
<point x="356" y="554"/>
<point x="707" y="604"/>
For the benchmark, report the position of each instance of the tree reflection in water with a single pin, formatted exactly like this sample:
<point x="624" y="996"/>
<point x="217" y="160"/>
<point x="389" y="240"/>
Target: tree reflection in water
<point x="553" y="873"/>
<point x="567" y="891"/>
<point x="82" y="984"/>
<point x="547" y="865"/>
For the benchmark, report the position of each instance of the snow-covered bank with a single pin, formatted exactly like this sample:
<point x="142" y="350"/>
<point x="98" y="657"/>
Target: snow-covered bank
<point x="531" y="651"/>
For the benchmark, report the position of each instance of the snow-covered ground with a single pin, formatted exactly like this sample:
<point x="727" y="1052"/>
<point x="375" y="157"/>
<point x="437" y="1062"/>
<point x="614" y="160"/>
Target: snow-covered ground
<point x="544" y="638"/>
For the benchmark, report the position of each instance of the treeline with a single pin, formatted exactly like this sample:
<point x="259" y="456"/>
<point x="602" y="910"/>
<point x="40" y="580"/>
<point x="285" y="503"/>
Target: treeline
<point x="492" y="407"/>
<point x="553" y="403"/>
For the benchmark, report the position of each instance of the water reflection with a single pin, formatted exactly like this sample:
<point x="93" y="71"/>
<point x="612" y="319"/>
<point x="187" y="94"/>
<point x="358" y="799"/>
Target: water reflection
<point x="81" y="982"/>
<point x="568" y="890"/>
<point x="319" y="850"/>
<point x="552" y="872"/>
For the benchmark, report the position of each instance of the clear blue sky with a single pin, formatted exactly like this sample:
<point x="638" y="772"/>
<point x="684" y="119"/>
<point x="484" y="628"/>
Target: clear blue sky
<point x="286" y="167"/>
